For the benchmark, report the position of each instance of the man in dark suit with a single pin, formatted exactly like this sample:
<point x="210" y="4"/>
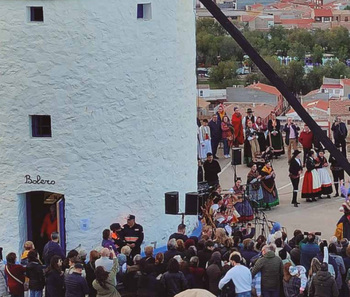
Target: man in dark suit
<point x="340" y="132"/>
<point x="215" y="132"/>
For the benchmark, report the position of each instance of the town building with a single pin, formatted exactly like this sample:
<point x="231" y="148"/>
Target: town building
<point x="98" y="101"/>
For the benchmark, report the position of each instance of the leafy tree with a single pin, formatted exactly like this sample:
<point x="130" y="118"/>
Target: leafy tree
<point x="210" y="26"/>
<point x="294" y="78"/>
<point x="297" y="50"/>
<point x="347" y="7"/>
<point x="224" y="74"/>
<point x="317" y="54"/>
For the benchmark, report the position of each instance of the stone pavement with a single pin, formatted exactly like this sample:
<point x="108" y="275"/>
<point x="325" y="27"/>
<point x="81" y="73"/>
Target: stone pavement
<point x="316" y="216"/>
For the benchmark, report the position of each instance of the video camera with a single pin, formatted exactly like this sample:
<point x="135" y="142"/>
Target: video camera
<point x="313" y="233"/>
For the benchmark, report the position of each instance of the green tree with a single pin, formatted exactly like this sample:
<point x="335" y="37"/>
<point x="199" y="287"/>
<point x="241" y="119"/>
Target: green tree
<point x="317" y="54"/>
<point x="224" y="74"/>
<point x="297" y="50"/>
<point x="210" y="26"/>
<point x="294" y="78"/>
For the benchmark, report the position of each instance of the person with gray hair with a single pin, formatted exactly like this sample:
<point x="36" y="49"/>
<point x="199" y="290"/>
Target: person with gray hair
<point x="105" y="260"/>
<point x="271" y="269"/>
<point x="172" y="251"/>
<point x="52" y="248"/>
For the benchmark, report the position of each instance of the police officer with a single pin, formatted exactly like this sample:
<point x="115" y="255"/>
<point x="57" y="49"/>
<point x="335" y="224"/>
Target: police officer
<point x="132" y="234"/>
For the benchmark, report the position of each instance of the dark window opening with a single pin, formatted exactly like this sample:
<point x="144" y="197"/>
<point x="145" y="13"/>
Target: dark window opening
<point x="36" y="14"/>
<point x="41" y="126"/>
<point x="140" y="11"/>
<point x="144" y="11"/>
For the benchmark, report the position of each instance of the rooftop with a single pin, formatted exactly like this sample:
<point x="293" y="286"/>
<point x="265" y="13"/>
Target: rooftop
<point x="323" y="12"/>
<point x="339" y="107"/>
<point x="265" y="88"/>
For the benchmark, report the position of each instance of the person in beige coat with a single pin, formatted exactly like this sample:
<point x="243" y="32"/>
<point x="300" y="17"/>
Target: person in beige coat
<point x="105" y="282"/>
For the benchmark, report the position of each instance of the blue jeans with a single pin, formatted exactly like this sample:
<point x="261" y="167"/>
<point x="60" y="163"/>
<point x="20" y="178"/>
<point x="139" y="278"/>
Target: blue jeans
<point x="244" y="294"/>
<point x="270" y="293"/>
<point x="36" y="293"/>
<point x="226" y="147"/>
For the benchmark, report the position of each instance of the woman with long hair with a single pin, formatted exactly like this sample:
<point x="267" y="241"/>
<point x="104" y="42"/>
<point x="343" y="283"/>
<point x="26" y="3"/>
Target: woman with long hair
<point x="268" y="184"/>
<point x="295" y="170"/>
<point x="214" y="273"/>
<point x="54" y="278"/>
<point x="15" y="276"/>
<point x="90" y="272"/>
<point x="35" y="274"/>
<point x="227" y="135"/>
<point x="311" y="184"/>
<point x="254" y="186"/>
<point x="173" y="281"/>
<point x="105" y="282"/>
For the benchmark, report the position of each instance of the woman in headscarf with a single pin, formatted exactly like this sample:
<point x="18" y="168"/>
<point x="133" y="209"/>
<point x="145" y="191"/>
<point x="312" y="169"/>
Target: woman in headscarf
<point x="311" y="184"/>
<point x="236" y="122"/>
<point x="241" y="204"/>
<point x="275" y="136"/>
<point x="268" y="176"/>
<point x="254" y="187"/>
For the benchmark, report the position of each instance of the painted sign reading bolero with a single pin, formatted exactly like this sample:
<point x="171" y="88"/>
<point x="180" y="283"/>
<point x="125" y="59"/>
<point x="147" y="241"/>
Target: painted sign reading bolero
<point x="38" y="180"/>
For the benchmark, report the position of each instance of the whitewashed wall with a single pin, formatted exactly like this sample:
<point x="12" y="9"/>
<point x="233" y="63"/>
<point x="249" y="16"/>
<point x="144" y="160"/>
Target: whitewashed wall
<point x="121" y="95"/>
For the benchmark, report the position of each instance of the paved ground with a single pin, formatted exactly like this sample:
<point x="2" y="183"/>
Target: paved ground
<point x="316" y="216"/>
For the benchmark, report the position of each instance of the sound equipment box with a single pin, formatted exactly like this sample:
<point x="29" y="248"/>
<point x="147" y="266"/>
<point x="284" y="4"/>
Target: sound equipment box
<point x="172" y="203"/>
<point x="191" y="203"/>
<point x="236" y="156"/>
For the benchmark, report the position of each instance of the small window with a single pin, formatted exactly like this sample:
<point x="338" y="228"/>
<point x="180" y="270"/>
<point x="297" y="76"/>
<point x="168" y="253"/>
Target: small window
<point x="144" y="11"/>
<point x="41" y="126"/>
<point x="201" y="93"/>
<point x="348" y="122"/>
<point x="346" y="19"/>
<point x="35" y="14"/>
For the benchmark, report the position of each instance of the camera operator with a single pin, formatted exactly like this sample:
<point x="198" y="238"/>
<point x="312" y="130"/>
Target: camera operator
<point x="340" y="132"/>
<point x="308" y="250"/>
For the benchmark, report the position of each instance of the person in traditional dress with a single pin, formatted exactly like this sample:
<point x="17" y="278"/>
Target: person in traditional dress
<point x="251" y="145"/>
<point x="236" y="122"/>
<point x="255" y="192"/>
<point x="326" y="182"/>
<point x="260" y="128"/>
<point x="306" y="139"/>
<point x="274" y="135"/>
<point x="311" y="184"/>
<point x="337" y="171"/>
<point x="241" y="204"/>
<point x="295" y="170"/>
<point x="204" y="140"/>
<point x="227" y="135"/>
<point x="268" y="184"/>
<point x="215" y="134"/>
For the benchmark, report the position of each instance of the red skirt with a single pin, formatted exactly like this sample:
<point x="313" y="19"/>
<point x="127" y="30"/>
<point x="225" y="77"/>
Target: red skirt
<point x="311" y="185"/>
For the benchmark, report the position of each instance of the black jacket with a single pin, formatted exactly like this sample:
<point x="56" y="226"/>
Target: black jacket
<point x="173" y="283"/>
<point x="76" y="285"/>
<point x="54" y="284"/>
<point x="51" y="249"/>
<point x="132" y="234"/>
<point x="340" y="131"/>
<point x="215" y="129"/>
<point x="211" y="171"/>
<point x="287" y="130"/>
<point x="294" y="168"/>
<point x="323" y="285"/>
<point x="35" y="274"/>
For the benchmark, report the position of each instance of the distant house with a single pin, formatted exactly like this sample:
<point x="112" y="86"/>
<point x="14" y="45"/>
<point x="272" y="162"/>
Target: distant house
<point x="315" y="95"/>
<point x="318" y="110"/>
<point x="322" y="15"/>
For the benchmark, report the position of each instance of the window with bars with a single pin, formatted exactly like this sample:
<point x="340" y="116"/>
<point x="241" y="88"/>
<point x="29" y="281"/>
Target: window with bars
<point x="41" y="126"/>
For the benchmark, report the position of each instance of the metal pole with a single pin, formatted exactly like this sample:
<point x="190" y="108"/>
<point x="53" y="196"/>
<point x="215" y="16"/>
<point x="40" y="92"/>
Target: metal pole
<point x="266" y="69"/>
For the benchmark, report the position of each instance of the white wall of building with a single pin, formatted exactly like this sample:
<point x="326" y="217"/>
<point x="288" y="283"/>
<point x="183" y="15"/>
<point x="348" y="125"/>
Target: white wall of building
<point x="121" y="93"/>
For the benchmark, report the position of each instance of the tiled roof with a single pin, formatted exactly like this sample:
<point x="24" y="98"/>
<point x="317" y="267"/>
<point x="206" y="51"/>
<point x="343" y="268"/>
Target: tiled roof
<point x="256" y="6"/>
<point x="339" y="107"/>
<point x="323" y="12"/>
<point x="331" y="86"/>
<point x="345" y="81"/>
<point x="248" y="18"/>
<point x="265" y="88"/>
<point x="319" y="104"/>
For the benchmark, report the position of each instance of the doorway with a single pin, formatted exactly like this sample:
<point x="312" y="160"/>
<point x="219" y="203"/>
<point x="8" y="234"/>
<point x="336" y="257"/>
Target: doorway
<point x="45" y="214"/>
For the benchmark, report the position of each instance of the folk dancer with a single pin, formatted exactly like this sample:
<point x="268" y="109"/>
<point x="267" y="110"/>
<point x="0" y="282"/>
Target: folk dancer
<point x="295" y="170"/>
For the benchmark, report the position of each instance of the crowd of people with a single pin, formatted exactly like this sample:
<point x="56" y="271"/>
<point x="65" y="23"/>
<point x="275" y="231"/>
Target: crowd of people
<point x="220" y="262"/>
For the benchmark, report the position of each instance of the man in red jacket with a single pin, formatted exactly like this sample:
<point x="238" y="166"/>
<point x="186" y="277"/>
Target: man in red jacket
<point x="306" y="139"/>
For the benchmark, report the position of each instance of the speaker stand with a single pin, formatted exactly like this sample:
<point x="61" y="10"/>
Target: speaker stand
<point x="234" y="172"/>
<point x="183" y="218"/>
